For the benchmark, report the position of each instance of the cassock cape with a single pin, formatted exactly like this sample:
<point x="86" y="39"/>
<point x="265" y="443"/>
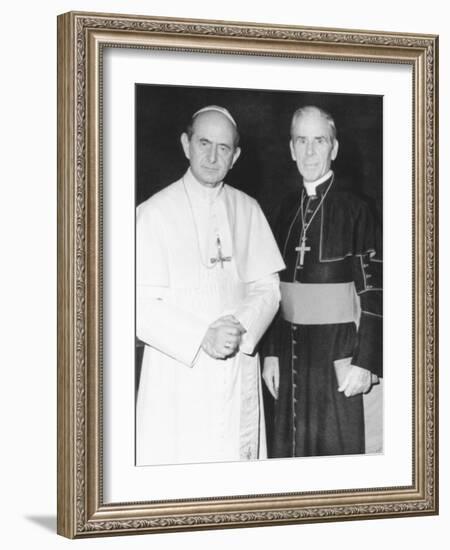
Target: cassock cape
<point x="190" y="407"/>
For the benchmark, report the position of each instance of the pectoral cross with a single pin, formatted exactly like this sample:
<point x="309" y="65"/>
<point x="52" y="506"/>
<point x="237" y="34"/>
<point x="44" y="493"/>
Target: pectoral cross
<point x="220" y="258"/>
<point x="302" y="249"/>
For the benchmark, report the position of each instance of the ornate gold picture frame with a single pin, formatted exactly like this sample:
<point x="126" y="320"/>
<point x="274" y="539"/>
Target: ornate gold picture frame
<point x="83" y="39"/>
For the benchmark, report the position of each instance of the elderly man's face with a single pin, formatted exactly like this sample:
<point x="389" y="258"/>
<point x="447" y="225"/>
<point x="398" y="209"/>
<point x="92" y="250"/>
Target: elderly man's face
<point x="211" y="151"/>
<point x="312" y="146"/>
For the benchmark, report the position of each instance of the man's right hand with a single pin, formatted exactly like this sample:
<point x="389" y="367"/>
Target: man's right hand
<point x="223" y="337"/>
<point x="271" y="375"/>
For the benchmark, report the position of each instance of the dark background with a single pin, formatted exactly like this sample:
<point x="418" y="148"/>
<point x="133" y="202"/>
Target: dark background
<point x="265" y="169"/>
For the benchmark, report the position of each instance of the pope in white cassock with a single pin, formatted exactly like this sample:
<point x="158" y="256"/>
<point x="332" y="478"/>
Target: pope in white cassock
<point x="207" y="289"/>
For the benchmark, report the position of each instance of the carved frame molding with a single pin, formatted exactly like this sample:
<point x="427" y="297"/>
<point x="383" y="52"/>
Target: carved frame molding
<point x="81" y="37"/>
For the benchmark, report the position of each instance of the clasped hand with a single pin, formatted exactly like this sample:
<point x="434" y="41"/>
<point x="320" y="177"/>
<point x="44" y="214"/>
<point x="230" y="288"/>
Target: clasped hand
<point x="223" y="337"/>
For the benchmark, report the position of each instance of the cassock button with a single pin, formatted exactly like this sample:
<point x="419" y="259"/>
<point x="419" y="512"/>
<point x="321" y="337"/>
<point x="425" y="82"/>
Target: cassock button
<point x="368" y="275"/>
<point x="294" y="357"/>
<point x="368" y="287"/>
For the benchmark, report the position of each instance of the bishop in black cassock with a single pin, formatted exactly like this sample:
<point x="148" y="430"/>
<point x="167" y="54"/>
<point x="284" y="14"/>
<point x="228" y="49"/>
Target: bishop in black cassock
<point x="328" y="334"/>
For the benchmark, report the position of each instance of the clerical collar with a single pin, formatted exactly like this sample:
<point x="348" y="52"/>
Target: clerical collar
<point x="311" y="186"/>
<point x="200" y="191"/>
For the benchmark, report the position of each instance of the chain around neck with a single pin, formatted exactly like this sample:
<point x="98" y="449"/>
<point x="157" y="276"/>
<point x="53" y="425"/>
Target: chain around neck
<point x="207" y="265"/>
<point x="305" y="225"/>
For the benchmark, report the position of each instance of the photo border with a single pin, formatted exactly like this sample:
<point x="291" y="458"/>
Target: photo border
<point x="81" y="39"/>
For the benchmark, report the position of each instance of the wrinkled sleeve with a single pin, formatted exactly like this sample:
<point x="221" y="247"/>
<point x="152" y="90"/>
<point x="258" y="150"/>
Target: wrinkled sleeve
<point x="368" y="277"/>
<point x="271" y="343"/>
<point x="257" y="310"/>
<point x="160" y="324"/>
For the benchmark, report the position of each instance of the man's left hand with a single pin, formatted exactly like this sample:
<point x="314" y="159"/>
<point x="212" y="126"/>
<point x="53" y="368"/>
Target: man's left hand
<point x="358" y="380"/>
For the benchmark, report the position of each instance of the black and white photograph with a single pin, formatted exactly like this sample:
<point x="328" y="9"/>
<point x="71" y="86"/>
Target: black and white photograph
<point x="259" y="328"/>
<point x="204" y="207"/>
<point x="247" y="283"/>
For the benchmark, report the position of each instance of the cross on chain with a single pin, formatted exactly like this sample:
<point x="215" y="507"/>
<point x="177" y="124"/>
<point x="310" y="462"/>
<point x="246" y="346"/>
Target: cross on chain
<point x="302" y="249"/>
<point x="220" y="258"/>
